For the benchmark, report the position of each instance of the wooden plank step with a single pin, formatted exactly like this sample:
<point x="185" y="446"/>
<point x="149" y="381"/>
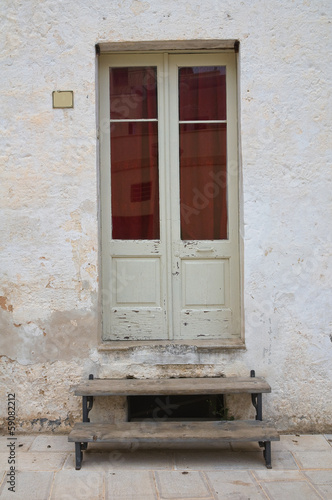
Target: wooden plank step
<point x="172" y="386"/>
<point x="171" y="432"/>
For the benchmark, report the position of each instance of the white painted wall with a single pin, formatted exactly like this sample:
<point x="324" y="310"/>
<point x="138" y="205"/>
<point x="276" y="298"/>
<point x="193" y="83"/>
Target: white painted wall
<point x="49" y="202"/>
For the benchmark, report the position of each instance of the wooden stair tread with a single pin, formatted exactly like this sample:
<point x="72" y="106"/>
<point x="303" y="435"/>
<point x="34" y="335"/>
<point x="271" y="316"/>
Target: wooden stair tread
<point x="176" y="386"/>
<point x="151" y="431"/>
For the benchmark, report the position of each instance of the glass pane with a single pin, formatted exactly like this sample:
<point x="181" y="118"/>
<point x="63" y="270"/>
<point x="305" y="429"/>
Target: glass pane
<point x="133" y="93"/>
<point x="202" y="93"/>
<point x="134" y="180"/>
<point x="203" y="182"/>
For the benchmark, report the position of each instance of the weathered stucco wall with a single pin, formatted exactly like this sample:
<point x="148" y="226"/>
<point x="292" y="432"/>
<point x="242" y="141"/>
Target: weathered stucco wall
<point x="49" y="203"/>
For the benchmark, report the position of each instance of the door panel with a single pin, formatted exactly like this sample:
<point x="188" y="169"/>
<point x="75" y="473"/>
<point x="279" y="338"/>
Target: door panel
<point x="137" y="281"/>
<point x="203" y="282"/>
<point x="133" y="222"/>
<point x="136" y="304"/>
<point x="205" y="237"/>
<point x="137" y="324"/>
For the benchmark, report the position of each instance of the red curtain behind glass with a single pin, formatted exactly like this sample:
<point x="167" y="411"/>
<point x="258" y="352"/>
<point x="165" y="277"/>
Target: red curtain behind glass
<point x="203" y="186"/>
<point x="134" y="154"/>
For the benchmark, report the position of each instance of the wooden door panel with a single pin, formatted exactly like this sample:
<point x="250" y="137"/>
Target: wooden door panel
<point x="133" y="209"/>
<point x="206" y="324"/>
<point x="137" y="281"/>
<point x="205" y="193"/>
<point x="203" y="282"/>
<point x="137" y="324"/>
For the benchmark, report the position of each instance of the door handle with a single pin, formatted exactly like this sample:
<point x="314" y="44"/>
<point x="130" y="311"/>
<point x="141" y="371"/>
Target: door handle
<point x="204" y="249"/>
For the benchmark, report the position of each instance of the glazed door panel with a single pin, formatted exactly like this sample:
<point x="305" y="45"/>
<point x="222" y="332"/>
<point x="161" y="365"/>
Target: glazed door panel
<point x="132" y="157"/>
<point x="205" y="264"/>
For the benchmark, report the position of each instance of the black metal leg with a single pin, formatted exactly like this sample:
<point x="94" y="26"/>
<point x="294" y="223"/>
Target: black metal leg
<point x="257" y="400"/>
<point x="85" y="408"/>
<point x="87" y="404"/>
<point x="259" y="415"/>
<point x="78" y="456"/>
<point x="267" y="454"/>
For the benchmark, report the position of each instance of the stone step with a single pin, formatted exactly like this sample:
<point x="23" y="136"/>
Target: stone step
<point x="171" y="386"/>
<point x="174" y="432"/>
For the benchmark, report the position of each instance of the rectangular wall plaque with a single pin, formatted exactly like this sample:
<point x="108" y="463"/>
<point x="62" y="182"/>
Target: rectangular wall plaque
<point x="63" y="99"/>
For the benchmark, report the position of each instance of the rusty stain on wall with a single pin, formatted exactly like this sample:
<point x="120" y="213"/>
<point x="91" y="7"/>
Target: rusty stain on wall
<point x="4" y="305"/>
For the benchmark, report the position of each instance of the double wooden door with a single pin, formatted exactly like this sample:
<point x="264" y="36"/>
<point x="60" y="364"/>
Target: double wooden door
<point x="169" y="196"/>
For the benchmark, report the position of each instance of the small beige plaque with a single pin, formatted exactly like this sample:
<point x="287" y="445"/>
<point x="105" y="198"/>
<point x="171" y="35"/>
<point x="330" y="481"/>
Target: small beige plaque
<point x="63" y="99"/>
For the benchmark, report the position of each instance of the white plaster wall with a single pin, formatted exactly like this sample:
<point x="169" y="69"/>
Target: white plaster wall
<point x="49" y="202"/>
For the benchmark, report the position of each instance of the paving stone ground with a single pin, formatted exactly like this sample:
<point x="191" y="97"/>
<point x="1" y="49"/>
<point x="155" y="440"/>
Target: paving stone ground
<point x="45" y="470"/>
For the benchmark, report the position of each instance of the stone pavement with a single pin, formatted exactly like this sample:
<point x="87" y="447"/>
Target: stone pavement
<point x="302" y="469"/>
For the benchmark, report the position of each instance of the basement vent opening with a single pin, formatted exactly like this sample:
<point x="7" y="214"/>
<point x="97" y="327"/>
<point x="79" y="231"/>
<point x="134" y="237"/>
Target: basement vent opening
<point x="178" y="408"/>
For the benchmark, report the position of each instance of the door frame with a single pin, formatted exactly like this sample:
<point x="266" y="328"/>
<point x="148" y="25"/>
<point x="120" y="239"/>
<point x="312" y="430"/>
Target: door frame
<point x="235" y="340"/>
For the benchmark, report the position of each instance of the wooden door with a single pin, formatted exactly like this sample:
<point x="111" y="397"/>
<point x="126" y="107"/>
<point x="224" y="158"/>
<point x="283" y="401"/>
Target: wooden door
<point x="133" y="205"/>
<point x="169" y="197"/>
<point x="205" y="243"/>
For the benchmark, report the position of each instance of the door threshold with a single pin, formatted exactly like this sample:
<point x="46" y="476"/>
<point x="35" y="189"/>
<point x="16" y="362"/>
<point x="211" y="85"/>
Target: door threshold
<point x="126" y="345"/>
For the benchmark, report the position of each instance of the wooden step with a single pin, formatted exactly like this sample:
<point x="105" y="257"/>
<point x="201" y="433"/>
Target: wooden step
<point x="174" y="432"/>
<point x="172" y="386"/>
